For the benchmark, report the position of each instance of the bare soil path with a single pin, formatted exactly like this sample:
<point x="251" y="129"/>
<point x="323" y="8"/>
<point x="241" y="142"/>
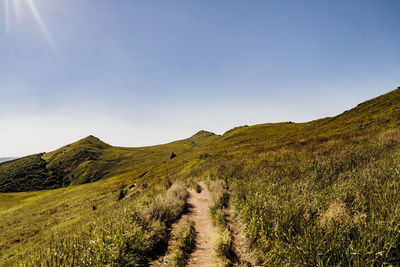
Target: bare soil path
<point x="199" y="204"/>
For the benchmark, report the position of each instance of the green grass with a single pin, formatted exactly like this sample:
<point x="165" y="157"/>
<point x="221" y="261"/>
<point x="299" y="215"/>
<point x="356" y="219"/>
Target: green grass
<point x="29" y="219"/>
<point x="222" y="240"/>
<point x="182" y="242"/>
<point x="130" y="233"/>
<point x="318" y="193"/>
<point x="334" y="204"/>
<point x="90" y="160"/>
<point x="26" y="174"/>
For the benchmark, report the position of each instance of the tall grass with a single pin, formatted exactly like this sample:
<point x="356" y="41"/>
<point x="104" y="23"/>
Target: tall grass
<point x="222" y="239"/>
<point x="129" y="235"/>
<point x="182" y="242"/>
<point x="336" y="203"/>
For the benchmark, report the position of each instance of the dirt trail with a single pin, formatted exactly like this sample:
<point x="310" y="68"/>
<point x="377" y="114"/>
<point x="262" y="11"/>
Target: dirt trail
<point x="199" y="204"/>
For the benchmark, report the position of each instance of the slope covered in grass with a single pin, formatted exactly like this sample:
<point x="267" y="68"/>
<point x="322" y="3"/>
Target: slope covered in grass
<point x="324" y="192"/>
<point x="381" y="113"/>
<point x="27" y="174"/>
<point x="6" y="159"/>
<point x="47" y="217"/>
<point x="88" y="160"/>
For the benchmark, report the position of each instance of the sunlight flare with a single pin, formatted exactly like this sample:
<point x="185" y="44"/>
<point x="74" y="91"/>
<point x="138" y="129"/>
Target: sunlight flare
<point x="17" y="10"/>
<point x="32" y="7"/>
<point x="40" y="22"/>
<point x="7" y="15"/>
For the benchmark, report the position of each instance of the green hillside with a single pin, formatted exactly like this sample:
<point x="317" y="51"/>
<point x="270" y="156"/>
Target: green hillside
<point x="88" y="160"/>
<point x="28" y="173"/>
<point x="381" y="113"/>
<point x="321" y="193"/>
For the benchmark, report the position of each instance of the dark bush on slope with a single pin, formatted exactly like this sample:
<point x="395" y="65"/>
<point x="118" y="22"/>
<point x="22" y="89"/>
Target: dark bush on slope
<point x="28" y="174"/>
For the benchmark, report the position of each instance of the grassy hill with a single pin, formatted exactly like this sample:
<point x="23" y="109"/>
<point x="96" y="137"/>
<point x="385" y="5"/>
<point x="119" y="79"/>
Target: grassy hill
<point x="381" y="113"/>
<point x="6" y="159"/>
<point x="323" y="192"/>
<point x="88" y="160"/>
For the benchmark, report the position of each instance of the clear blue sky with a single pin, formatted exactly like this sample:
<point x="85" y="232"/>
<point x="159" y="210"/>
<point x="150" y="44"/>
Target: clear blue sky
<point x="145" y="72"/>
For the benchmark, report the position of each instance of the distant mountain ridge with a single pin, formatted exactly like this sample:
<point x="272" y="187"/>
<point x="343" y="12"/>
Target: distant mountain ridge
<point x="7" y="159"/>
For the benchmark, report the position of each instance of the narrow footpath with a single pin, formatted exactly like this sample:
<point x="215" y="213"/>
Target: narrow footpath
<point x="199" y="204"/>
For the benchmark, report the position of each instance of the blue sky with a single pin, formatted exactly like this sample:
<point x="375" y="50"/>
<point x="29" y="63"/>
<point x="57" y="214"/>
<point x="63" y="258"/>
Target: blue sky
<point x="146" y="72"/>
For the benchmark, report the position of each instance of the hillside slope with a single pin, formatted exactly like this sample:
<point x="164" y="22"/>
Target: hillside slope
<point x="28" y="173"/>
<point x="6" y="159"/>
<point x="321" y="193"/>
<point x="88" y="160"/>
<point x="377" y="114"/>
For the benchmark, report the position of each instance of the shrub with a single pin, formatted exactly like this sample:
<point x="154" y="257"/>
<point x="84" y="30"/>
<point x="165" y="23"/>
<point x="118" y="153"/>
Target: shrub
<point x="168" y="207"/>
<point x="122" y="193"/>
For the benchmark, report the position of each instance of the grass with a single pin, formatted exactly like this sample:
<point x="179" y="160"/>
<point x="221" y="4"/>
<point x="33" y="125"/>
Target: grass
<point x="318" y="193"/>
<point x="222" y="241"/>
<point x="90" y="160"/>
<point x="331" y="204"/>
<point x="29" y="219"/>
<point x="182" y="242"/>
<point x="26" y="174"/>
<point x="131" y="233"/>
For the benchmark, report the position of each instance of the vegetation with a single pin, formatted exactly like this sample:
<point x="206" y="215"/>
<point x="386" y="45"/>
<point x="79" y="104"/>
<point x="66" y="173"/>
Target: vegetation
<point x="222" y="240"/>
<point x="331" y="204"/>
<point x="28" y="173"/>
<point x="130" y="234"/>
<point x="88" y="160"/>
<point x="183" y="240"/>
<point x="320" y="193"/>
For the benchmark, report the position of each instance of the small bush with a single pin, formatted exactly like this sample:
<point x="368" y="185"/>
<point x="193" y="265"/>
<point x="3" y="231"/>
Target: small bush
<point x="168" y="207"/>
<point x="196" y="187"/>
<point x="122" y="193"/>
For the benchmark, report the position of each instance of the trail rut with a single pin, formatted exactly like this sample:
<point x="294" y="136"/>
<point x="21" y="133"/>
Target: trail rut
<point x="199" y="204"/>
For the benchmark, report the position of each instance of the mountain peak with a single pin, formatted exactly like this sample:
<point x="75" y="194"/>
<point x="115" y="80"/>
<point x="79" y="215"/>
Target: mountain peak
<point x="90" y="137"/>
<point x="203" y="133"/>
<point x="93" y="141"/>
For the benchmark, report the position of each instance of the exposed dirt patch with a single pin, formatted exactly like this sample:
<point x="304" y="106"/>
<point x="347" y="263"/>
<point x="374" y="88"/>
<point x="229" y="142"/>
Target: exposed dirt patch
<point x="199" y="204"/>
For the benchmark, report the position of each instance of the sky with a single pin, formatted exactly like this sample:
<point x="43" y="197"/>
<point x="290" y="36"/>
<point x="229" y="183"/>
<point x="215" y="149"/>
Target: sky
<point x="136" y="73"/>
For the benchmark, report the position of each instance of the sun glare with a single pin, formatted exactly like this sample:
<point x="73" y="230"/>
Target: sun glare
<point x="17" y="5"/>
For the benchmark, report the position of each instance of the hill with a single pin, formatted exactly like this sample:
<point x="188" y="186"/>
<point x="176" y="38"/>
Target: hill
<point x="87" y="160"/>
<point x="6" y="159"/>
<point x="320" y="193"/>
<point x="377" y="114"/>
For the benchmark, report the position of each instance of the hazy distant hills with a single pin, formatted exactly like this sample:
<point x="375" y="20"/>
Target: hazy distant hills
<point x="6" y="159"/>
